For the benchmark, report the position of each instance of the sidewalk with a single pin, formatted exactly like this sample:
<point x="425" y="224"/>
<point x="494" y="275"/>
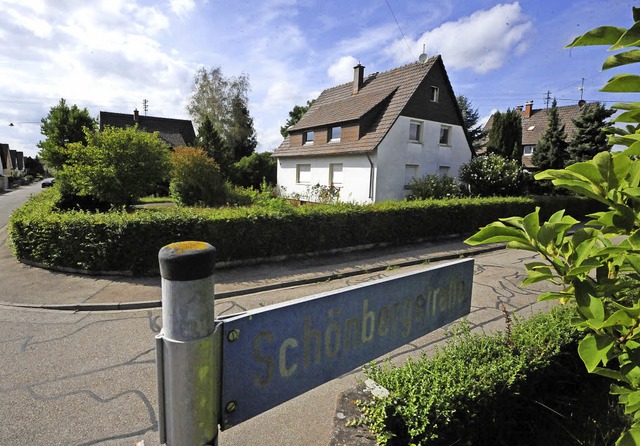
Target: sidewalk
<point x="34" y="287"/>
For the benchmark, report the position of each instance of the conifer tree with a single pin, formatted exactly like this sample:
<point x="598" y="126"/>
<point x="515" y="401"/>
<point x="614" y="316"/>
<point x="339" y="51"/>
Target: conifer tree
<point x="551" y="150"/>
<point x="589" y="138"/>
<point x="505" y="136"/>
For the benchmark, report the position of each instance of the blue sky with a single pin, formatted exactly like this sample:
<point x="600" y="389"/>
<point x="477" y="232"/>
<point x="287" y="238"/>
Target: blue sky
<point x="110" y="55"/>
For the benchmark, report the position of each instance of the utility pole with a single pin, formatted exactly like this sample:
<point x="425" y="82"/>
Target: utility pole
<point x="548" y="98"/>
<point x="145" y="106"/>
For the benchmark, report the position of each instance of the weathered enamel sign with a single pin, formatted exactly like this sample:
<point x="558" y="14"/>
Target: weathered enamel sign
<point x="273" y="354"/>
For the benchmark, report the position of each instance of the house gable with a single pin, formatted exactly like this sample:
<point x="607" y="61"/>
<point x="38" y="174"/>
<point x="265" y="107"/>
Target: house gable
<point x="443" y="110"/>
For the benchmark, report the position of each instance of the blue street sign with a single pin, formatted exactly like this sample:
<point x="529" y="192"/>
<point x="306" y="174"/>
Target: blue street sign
<point x="276" y="353"/>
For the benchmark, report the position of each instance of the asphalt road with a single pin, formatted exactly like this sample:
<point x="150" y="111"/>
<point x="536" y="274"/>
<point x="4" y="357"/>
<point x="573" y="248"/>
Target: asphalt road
<point x="12" y="199"/>
<point x="88" y="378"/>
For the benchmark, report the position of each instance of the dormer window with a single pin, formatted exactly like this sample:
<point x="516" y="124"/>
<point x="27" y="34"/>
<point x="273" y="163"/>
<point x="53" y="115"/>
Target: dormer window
<point x="335" y="133"/>
<point x="308" y="137"/>
<point x="435" y="94"/>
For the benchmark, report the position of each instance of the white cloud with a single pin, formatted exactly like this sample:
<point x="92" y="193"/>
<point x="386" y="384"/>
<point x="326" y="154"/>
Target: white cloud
<point x="341" y="71"/>
<point x="481" y="41"/>
<point x="182" y="8"/>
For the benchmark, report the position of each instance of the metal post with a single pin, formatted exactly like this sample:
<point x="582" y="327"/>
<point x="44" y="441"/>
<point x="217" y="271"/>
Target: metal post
<point x="188" y="348"/>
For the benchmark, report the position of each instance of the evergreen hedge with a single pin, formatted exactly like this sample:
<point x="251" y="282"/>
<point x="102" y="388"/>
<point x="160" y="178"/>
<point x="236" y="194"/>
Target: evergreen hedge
<point x="129" y="241"/>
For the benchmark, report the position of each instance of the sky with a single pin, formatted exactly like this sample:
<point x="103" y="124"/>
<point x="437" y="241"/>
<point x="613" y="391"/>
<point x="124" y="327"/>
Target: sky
<point x="110" y="55"/>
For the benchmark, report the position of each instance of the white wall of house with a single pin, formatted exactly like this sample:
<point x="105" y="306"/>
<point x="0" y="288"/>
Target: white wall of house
<point x="351" y="174"/>
<point x="399" y="158"/>
<point x="396" y="160"/>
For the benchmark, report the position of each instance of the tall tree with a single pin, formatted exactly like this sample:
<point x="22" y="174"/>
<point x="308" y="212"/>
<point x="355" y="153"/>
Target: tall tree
<point x="241" y="136"/>
<point x="295" y="115"/>
<point x="505" y="136"/>
<point x="471" y="117"/>
<point x="551" y="150"/>
<point x="209" y="140"/>
<point x="62" y="126"/>
<point x="589" y="137"/>
<point x="214" y="96"/>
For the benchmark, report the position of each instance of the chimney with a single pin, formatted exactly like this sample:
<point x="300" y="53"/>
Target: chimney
<point x="135" y="115"/>
<point x="519" y="108"/>
<point x="358" y="78"/>
<point x="527" y="109"/>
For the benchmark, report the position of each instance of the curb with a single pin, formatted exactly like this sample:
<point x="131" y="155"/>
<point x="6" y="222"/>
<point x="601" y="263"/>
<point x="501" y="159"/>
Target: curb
<point x="141" y="305"/>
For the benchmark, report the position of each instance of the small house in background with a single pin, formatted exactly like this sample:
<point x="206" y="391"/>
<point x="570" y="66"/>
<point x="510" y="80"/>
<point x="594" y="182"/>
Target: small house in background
<point x="535" y="123"/>
<point x="174" y="132"/>
<point x="369" y="138"/>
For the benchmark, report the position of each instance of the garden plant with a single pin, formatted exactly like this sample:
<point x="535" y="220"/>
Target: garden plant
<point x="598" y="266"/>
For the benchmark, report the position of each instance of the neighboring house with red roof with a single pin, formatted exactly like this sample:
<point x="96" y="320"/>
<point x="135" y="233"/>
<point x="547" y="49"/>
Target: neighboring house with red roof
<point x="174" y="132"/>
<point x="535" y="123"/>
<point x="369" y="138"/>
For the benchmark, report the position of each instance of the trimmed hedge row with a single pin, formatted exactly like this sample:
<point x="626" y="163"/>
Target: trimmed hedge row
<point x="130" y="241"/>
<point x="524" y="386"/>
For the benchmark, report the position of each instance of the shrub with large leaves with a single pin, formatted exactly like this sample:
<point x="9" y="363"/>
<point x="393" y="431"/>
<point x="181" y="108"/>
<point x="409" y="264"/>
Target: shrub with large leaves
<point x="598" y="267"/>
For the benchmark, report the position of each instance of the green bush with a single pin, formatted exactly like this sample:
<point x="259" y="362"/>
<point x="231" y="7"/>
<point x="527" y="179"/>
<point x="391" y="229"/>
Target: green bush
<point x="116" y="167"/>
<point x="506" y="388"/>
<point x="434" y="186"/>
<point x="122" y="240"/>
<point x="492" y="175"/>
<point x="195" y="178"/>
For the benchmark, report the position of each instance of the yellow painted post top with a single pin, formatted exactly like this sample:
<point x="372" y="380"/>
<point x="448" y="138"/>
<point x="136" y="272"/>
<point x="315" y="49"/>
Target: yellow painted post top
<point x="187" y="260"/>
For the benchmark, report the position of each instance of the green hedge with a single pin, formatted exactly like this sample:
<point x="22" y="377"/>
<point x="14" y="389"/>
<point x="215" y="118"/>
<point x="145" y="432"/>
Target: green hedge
<point x="524" y="386"/>
<point x="130" y="241"/>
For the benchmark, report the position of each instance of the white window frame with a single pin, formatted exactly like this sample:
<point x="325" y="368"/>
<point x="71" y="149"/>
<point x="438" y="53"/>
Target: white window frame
<point x="420" y="125"/>
<point x="303" y="173"/>
<point x="530" y="148"/>
<point x="305" y="137"/>
<point x="435" y="94"/>
<point x="447" y="142"/>
<point x="336" y="180"/>
<point x="332" y="137"/>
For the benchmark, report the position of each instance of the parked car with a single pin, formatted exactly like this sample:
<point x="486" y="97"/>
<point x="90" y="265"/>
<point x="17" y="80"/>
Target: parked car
<point x="48" y="182"/>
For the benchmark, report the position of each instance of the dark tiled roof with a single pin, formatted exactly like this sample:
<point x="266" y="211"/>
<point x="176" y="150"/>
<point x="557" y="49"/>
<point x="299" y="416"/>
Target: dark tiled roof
<point x="175" y="132"/>
<point x="397" y="86"/>
<point x="4" y="153"/>
<point x="20" y="158"/>
<point x="344" y="110"/>
<point x="14" y="158"/>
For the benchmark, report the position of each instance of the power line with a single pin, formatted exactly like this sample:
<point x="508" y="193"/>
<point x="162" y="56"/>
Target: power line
<point x="402" y="33"/>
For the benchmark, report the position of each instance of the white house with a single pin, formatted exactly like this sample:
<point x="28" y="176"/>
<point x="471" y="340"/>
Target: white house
<point x="369" y="138"/>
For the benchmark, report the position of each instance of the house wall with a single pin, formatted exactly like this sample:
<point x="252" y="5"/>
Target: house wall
<point x="396" y="151"/>
<point x="356" y="172"/>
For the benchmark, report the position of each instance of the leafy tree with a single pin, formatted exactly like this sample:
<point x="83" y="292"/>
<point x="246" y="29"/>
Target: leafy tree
<point x="295" y="115"/>
<point x="117" y="166"/>
<point x="471" y="117"/>
<point x="590" y="138"/>
<point x="63" y="125"/>
<point x="225" y="102"/>
<point x="598" y="266"/>
<point x="33" y="166"/>
<point x="505" y="136"/>
<point x="241" y="136"/>
<point x="252" y="170"/>
<point x="551" y="149"/>
<point x="492" y="175"/>
<point x="195" y="178"/>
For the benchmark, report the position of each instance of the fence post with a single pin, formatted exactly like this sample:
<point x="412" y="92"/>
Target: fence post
<point x="188" y="349"/>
